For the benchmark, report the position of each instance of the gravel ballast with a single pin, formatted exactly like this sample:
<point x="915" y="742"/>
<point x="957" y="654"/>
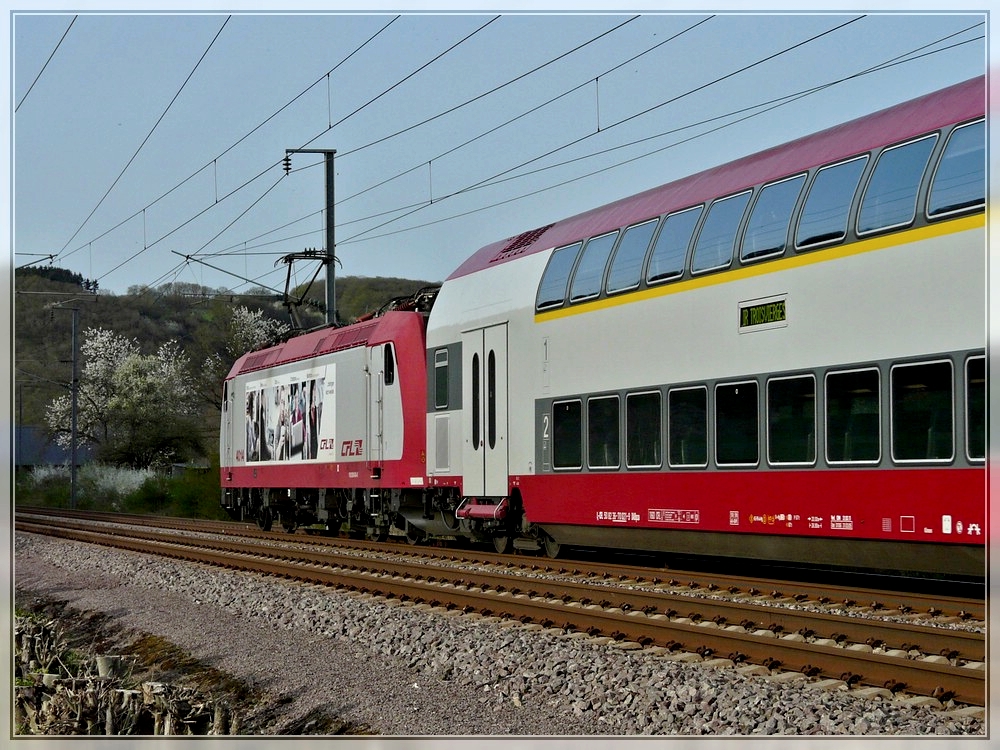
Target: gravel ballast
<point x="404" y="671"/>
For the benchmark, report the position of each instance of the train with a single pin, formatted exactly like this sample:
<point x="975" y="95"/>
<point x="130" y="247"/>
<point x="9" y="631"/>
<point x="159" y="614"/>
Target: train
<point x="781" y="358"/>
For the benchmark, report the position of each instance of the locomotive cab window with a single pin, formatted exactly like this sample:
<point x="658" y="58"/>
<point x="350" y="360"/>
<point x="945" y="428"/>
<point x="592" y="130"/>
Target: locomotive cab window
<point x="960" y="180"/>
<point x="791" y="420"/>
<point x="589" y="274"/>
<point x="667" y="259"/>
<point x="736" y="424"/>
<point x="922" y="412"/>
<point x="567" y="435"/>
<point x="828" y="204"/>
<point x="552" y="288"/>
<point x="642" y="430"/>
<point x="389" y="366"/>
<point x="853" y="417"/>
<point x="890" y="199"/>
<point x="603" y="435"/>
<point x="717" y="238"/>
<point x="687" y="420"/>
<point x="767" y="229"/>
<point x="975" y="408"/>
<point x="626" y="266"/>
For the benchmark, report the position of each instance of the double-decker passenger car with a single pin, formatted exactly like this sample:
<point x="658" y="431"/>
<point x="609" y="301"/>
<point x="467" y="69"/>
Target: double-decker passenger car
<point x="779" y="358"/>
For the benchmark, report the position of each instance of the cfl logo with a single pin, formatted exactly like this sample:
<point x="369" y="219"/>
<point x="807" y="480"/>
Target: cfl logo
<point x="351" y="448"/>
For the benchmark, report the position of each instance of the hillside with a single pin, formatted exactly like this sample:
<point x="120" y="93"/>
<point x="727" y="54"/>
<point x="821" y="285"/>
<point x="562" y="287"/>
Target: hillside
<point x="195" y="316"/>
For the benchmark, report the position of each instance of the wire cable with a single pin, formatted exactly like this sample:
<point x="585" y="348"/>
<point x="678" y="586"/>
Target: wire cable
<point x="148" y="136"/>
<point x="58" y="44"/>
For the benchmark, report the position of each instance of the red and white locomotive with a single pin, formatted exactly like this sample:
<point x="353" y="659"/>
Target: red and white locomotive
<point x="779" y="358"/>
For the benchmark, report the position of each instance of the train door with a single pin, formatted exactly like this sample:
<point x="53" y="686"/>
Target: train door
<point x="376" y="404"/>
<point x="484" y="412"/>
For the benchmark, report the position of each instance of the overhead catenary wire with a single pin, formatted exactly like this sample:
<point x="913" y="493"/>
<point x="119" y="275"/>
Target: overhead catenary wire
<point x="761" y="107"/>
<point x="53" y="54"/>
<point x="496" y="179"/>
<point x="500" y="177"/>
<point x="148" y="136"/>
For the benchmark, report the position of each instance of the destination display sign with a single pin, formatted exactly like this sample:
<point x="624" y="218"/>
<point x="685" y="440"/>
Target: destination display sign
<point x="762" y="314"/>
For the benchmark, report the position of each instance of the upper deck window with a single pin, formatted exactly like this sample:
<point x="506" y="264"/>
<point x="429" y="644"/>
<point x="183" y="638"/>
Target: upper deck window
<point x="590" y="273"/>
<point x="670" y="250"/>
<point x="626" y="266"/>
<point x="767" y="229"/>
<point x="552" y="289"/>
<point x="890" y="199"/>
<point x="825" y="215"/>
<point x="717" y="238"/>
<point x="960" y="180"/>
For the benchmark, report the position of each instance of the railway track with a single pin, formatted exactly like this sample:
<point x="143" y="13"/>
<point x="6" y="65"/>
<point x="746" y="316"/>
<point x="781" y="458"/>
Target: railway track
<point x="880" y="650"/>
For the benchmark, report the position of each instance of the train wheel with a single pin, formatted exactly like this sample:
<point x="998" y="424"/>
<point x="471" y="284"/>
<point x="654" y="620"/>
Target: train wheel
<point x="264" y="519"/>
<point x="501" y="544"/>
<point x="552" y="547"/>
<point x="289" y="526"/>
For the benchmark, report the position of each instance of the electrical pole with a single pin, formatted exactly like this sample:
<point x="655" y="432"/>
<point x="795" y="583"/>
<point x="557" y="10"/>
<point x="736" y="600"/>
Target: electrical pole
<point x="329" y="260"/>
<point x="74" y="389"/>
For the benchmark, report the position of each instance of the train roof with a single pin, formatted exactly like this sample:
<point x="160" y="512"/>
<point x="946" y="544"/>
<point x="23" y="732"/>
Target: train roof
<point x="388" y="327"/>
<point x="963" y="101"/>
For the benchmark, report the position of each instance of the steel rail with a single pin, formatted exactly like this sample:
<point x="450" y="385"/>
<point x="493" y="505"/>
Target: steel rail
<point x="853" y="667"/>
<point x="827" y="594"/>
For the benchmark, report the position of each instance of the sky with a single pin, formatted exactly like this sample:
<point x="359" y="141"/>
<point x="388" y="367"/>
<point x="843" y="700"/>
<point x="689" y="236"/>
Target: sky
<point x="147" y="148"/>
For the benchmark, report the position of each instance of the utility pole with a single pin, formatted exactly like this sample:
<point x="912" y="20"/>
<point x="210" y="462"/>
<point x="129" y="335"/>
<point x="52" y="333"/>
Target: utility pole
<point x="328" y="260"/>
<point x="74" y="388"/>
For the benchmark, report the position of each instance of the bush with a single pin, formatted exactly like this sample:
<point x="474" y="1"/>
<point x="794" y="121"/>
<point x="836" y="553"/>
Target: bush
<point x="192" y="494"/>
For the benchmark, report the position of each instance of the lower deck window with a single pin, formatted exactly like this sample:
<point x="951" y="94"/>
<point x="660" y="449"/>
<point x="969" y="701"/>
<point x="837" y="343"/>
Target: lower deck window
<point x="688" y="421"/>
<point x="642" y="430"/>
<point x="603" y="433"/>
<point x="736" y="420"/>
<point x="975" y="408"/>
<point x="791" y="420"/>
<point x="922" y="421"/>
<point x="853" y="421"/>
<point x="567" y="435"/>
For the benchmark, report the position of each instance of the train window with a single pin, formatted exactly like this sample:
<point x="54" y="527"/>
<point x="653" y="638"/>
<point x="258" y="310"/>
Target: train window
<point x="626" y="266"/>
<point x="975" y="408"/>
<point x="890" y="199"/>
<point x="687" y="419"/>
<point x="767" y="229"/>
<point x="567" y="435"/>
<point x="389" y="366"/>
<point x="853" y="421"/>
<point x="922" y="423"/>
<point x="589" y="274"/>
<point x="603" y="434"/>
<point x="491" y="399"/>
<point x="828" y="204"/>
<point x="552" y="289"/>
<point x="791" y="420"/>
<point x="667" y="259"/>
<point x="736" y="424"/>
<point x="642" y="430"/>
<point x="476" y="404"/>
<point x="714" y="247"/>
<point x="441" y="379"/>
<point x="960" y="180"/>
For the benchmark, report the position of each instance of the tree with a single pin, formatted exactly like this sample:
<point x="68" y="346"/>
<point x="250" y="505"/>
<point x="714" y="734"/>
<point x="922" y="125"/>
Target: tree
<point x="248" y="331"/>
<point x="137" y="410"/>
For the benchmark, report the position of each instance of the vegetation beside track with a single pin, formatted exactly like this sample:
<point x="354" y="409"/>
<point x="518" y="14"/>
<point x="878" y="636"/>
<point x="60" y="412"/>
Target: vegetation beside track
<point x="194" y="493"/>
